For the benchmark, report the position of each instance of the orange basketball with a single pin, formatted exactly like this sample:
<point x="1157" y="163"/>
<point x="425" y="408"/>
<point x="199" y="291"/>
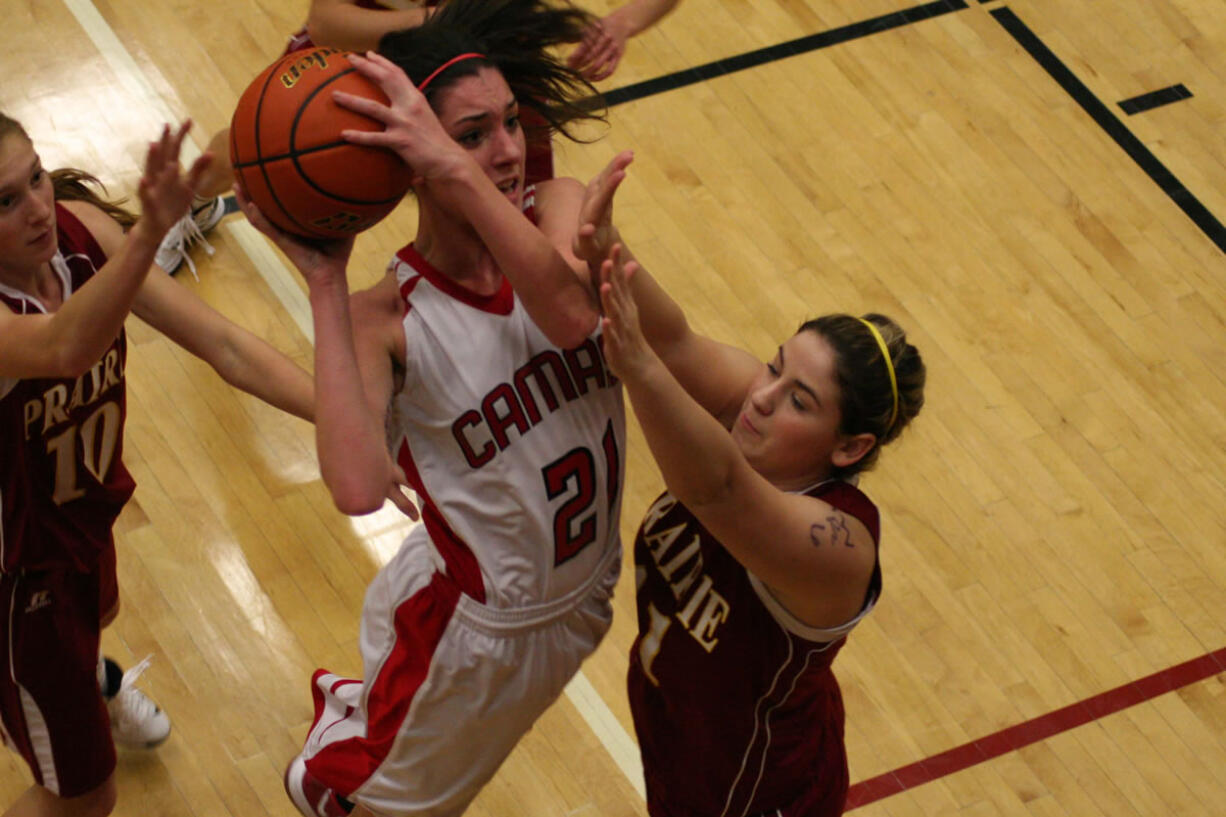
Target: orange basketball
<point x="288" y="154"/>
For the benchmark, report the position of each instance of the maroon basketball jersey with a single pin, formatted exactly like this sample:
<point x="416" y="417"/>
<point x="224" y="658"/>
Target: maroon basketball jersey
<point x="62" y="478"/>
<point x="736" y="708"/>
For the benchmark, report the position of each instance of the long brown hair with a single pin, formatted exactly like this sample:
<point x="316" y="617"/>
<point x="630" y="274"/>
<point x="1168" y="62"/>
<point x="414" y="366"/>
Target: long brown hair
<point x="71" y="184"/>
<point x="518" y="37"/>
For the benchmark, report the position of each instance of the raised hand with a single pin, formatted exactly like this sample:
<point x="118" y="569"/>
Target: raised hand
<point x="625" y="348"/>
<point x="596" y="234"/>
<point x="318" y="261"/>
<point x="165" y="193"/>
<point x="601" y="49"/>
<point x="411" y="127"/>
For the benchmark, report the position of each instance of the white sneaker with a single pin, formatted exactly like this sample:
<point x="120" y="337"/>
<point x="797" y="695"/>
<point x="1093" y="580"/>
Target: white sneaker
<point x="189" y="230"/>
<point x="311" y="797"/>
<point x="136" y="721"/>
<point x="208" y="215"/>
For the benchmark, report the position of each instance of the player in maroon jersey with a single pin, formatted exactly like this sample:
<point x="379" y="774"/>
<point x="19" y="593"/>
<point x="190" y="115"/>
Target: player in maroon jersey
<point x="69" y="275"/>
<point x="762" y="554"/>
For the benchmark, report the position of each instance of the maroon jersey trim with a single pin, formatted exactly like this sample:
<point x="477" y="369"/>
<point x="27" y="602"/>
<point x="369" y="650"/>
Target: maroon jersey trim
<point x="499" y="303"/>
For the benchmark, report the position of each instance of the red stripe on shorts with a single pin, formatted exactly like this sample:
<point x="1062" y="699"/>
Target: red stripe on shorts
<point x="420" y="622"/>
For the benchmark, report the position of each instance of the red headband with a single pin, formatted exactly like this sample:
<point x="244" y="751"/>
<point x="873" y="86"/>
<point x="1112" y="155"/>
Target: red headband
<point x="470" y="55"/>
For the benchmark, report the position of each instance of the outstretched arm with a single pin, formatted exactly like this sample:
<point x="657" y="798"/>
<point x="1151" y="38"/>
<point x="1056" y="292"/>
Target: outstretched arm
<point x="715" y="374"/>
<point x="816" y="559"/>
<point x="243" y="360"/>
<point x="344" y="24"/>
<point x="564" y="207"/>
<point x="68" y="341"/>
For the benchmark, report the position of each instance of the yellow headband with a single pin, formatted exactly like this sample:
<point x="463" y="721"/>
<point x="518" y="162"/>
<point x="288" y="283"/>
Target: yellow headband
<point x="889" y="367"/>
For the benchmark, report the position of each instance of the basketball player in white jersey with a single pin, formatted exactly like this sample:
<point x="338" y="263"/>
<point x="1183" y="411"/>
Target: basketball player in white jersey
<point x="478" y="359"/>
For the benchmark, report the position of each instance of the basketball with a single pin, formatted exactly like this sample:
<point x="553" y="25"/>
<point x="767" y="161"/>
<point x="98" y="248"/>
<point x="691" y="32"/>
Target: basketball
<point x="289" y="157"/>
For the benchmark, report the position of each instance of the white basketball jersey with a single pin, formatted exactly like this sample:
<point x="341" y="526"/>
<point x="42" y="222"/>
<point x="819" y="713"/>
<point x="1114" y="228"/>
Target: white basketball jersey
<point x="514" y="445"/>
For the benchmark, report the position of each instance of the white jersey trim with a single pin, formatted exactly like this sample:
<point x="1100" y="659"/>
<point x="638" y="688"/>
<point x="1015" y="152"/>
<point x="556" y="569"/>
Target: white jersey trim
<point x="822" y="635"/>
<point x="763" y="722"/>
<point x="789" y="622"/>
<point x="40" y="741"/>
<point x="36" y="725"/>
<point x="60" y="266"/>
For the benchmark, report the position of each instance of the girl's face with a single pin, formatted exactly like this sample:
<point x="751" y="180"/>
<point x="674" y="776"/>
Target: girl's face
<point x="27" y="207"/>
<point x="788" y="428"/>
<point x="481" y="113"/>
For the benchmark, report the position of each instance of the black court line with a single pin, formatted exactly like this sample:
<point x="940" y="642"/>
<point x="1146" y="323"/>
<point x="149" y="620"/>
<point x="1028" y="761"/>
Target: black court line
<point x="1200" y="215"/>
<point x="1108" y="121"/>
<point x="772" y="53"/>
<point x="1154" y="99"/>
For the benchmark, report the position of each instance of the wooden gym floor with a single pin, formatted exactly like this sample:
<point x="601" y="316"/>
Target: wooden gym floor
<point x="1052" y="639"/>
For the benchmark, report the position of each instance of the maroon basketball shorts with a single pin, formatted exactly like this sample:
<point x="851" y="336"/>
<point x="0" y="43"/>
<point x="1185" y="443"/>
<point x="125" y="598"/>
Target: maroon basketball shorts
<point x="53" y="713"/>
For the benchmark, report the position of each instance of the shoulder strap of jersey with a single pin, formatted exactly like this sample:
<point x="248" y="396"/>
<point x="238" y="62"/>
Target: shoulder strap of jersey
<point x="75" y="238"/>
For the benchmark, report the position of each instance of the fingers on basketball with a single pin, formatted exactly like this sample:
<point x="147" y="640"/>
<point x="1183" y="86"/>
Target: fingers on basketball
<point x="290" y="158"/>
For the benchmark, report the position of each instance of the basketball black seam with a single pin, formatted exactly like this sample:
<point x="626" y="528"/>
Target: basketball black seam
<point x="294" y="154"/>
<point x="289" y="154"/>
<point x="259" y="146"/>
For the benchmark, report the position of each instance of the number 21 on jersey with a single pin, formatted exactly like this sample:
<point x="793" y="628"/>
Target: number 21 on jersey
<point x="574" y="475"/>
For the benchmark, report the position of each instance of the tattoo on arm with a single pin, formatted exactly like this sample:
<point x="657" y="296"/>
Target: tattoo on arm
<point x="833" y="532"/>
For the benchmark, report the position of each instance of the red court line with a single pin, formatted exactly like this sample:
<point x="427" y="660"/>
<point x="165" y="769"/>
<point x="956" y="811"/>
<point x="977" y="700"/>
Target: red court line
<point x="1035" y="729"/>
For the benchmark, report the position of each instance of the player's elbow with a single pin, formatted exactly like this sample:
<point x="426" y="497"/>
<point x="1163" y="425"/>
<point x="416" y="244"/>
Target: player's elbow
<point x="355" y="501"/>
<point x="718" y="486"/>
<point x="569" y="331"/>
<point x="72" y="360"/>
<point x="357" y="508"/>
<point x="353" y="493"/>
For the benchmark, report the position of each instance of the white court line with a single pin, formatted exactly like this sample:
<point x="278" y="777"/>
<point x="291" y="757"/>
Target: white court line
<point x="265" y="261"/>
<point x="274" y="273"/>
<point x="603" y="723"/>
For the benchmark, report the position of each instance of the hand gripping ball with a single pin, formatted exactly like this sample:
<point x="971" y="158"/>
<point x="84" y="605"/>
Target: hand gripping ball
<point x="289" y="157"/>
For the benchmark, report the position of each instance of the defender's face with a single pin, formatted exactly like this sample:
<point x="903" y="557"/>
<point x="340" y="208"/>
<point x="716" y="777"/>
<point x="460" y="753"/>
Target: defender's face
<point x="788" y="428"/>
<point x="27" y="207"/>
